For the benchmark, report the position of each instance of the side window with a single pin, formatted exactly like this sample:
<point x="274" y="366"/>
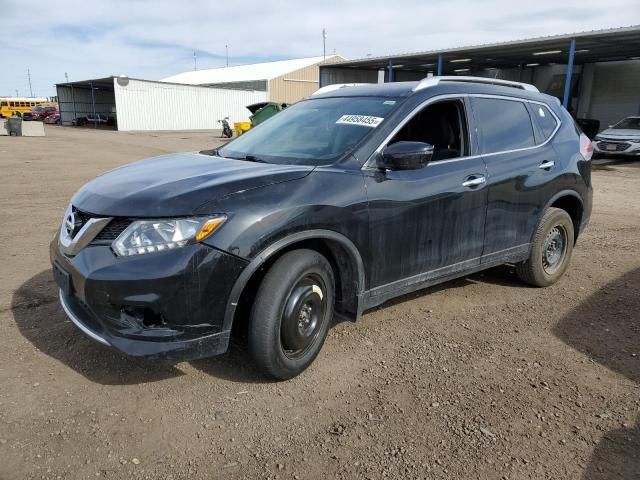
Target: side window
<point x="505" y="124"/>
<point x="545" y="119"/>
<point x="441" y="124"/>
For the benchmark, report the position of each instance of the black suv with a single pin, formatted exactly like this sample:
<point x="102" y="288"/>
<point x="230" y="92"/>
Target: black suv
<point x="356" y="195"/>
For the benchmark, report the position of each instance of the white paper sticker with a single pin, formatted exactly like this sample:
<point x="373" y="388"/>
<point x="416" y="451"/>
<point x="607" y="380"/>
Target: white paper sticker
<point x="364" y="120"/>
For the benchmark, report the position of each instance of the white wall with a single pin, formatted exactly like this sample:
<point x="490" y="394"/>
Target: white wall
<point x="143" y="105"/>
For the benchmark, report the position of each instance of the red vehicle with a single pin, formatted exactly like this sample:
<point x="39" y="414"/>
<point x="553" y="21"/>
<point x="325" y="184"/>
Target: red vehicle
<point x="53" y="119"/>
<point x="39" y="113"/>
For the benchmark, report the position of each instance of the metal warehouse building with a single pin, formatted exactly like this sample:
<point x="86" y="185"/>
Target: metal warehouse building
<point x="148" y="105"/>
<point x="285" y="81"/>
<point x="192" y="100"/>
<point x="595" y="74"/>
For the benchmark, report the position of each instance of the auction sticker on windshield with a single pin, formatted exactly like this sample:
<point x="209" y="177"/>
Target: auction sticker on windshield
<point x="364" y="120"/>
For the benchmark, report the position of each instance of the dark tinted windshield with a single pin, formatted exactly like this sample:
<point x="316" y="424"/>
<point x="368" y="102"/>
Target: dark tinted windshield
<point x="632" y="123"/>
<point x="312" y="132"/>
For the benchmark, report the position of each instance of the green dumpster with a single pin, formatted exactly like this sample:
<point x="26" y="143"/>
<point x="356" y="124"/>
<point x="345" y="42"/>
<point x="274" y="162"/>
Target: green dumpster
<point x="14" y="126"/>
<point x="263" y="110"/>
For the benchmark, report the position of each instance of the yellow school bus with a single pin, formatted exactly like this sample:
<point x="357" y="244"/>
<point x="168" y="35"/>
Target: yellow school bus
<point x="9" y="105"/>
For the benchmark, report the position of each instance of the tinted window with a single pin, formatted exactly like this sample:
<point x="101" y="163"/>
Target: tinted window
<point x="505" y="124"/>
<point x="443" y="125"/>
<point x="546" y="121"/>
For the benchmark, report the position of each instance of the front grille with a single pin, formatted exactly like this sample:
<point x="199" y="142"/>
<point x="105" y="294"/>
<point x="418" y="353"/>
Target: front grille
<point x="113" y="229"/>
<point x="109" y="233"/>
<point x="619" y="147"/>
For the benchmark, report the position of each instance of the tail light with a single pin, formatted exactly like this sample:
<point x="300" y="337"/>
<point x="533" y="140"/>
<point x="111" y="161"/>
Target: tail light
<point x="586" y="149"/>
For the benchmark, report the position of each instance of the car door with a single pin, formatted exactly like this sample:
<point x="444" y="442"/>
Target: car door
<point x="520" y="164"/>
<point x="429" y="222"/>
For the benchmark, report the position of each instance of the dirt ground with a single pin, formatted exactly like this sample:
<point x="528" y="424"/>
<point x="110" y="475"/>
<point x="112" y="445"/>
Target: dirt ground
<point x="482" y="377"/>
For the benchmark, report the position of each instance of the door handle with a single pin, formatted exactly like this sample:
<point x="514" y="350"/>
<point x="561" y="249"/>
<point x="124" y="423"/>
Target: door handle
<point x="547" y="164"/>
<point x="474" y="181"/>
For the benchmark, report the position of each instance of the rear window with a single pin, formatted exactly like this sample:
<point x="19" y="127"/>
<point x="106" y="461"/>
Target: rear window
<point x="505" y="124"/>
<point x="546" y="121"/>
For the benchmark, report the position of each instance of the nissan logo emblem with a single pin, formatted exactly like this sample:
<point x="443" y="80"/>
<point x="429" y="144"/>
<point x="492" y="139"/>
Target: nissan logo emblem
<point x="72" y="224"/>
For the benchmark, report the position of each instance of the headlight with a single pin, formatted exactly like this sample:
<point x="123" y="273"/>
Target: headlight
<point x="148" y="236"/>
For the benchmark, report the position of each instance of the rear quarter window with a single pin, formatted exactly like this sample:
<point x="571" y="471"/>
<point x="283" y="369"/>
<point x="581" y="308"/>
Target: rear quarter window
<point x="545" y="120"/>
<point x="504" y="124"/>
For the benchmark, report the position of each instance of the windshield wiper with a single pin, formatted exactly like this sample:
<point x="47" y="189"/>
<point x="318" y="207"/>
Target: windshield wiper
<point x="213" y="153"/>
<point x="253" y="158"/>
<point x="248" y="158"/>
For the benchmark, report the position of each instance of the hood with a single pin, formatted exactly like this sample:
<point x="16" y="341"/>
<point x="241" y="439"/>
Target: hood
<point x="176" y="184"/>
<point x="619" y="133"/>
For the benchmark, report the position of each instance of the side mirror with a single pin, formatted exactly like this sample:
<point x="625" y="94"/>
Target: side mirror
<point x="405" y="156"/>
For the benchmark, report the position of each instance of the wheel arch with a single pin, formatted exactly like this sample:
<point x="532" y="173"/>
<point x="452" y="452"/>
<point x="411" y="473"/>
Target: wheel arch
<point x="343" y="255"/>
<point x="571" y="202"/>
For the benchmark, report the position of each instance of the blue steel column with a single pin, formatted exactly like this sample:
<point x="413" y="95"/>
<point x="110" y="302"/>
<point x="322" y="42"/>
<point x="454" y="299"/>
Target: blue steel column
<point x="390" y="72"/>
<point x="93" y="102"/>
<point x="567" y="80"/>
<point x="439" y="64"/>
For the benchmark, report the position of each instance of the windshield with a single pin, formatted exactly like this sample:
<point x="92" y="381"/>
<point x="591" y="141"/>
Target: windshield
<point x="632" y="123"/>
<point x="311" y="132"/>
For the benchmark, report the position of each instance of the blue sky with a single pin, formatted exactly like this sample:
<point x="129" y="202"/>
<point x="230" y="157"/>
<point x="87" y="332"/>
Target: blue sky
<point x="156" y="39"/>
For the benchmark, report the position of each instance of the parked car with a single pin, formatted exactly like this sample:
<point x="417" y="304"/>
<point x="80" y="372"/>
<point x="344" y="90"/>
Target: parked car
<point x="619" y="140"/>
<point x="53" y="119"/>
<point x="91" y="119"/>
<point x="38" y="113"/>
<point x="337" y="204"/>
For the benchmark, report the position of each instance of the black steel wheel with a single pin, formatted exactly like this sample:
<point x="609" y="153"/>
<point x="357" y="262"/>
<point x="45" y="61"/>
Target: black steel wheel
<point x="291" y="313"/>
<point x="551" y="250"/>
<point x="303" y="315"/>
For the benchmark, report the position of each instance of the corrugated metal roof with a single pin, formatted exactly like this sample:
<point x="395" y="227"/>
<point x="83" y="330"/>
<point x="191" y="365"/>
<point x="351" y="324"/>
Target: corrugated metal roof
<point x="611" y="41"/>
<point x="242" y="73"/>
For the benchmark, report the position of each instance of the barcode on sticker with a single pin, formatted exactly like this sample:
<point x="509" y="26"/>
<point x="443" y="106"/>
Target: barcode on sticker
<point x="364" y="120"/>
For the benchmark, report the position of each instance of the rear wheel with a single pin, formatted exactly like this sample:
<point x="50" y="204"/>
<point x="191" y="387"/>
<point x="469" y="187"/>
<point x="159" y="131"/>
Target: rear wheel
<point x="550" y="251"/>
<point x="291" y="313"/>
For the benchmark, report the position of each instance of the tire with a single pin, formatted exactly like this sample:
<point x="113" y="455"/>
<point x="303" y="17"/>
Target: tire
<point x="291" y="314"/>
<point x="551" y="250"/>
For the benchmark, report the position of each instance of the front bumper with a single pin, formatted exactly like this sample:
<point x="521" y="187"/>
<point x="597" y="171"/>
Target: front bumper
<point x="617" y="148"/>
<point x="168" y="304"/>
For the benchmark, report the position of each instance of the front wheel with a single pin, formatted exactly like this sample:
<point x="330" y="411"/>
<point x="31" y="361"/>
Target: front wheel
<point x="550" y="250"/>
<point x="291" y="313"/>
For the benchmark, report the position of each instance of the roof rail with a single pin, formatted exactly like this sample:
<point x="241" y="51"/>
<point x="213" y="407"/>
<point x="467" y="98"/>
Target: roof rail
<point x="336" y="86"/>
<point x="433" y="81"/>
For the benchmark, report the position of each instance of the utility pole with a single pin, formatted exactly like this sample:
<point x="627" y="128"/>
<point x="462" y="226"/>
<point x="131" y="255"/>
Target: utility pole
<point x="324" y="44"/>
<point x="195" y="61"/>
<point x="17" y="93"/>
<point x="226" y="49"/>
<point x="29" y="77"/>
<point x="66" y="77"/>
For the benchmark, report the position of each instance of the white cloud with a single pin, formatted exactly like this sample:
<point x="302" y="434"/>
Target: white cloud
<point x="156" y="38"/>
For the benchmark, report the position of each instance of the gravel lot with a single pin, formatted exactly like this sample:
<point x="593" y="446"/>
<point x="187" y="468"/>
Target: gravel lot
<point x="482" y="377"/>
